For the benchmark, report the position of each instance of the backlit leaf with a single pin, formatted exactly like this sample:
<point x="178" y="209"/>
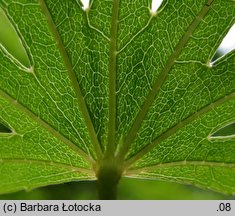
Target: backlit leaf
<point x="114" y="83"/>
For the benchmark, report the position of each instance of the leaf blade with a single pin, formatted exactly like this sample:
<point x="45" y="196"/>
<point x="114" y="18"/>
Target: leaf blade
<point x="73" y="78"/>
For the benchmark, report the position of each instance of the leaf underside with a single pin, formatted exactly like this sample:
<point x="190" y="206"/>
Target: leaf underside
<point x="120" y="83"/>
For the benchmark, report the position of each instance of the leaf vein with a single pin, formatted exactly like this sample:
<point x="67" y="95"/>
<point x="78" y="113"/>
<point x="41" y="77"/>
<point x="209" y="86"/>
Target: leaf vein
<point x="112" y="80"/>
<point x="160" y="80"/>
<point x="48" y="163"/>
<point x="180" y="163"/>
<point x="73" y="78"/>
<point x="46" y="125"/>
<point x="178" y="126"/>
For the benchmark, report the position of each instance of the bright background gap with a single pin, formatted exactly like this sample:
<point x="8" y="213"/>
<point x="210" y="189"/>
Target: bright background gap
<point x="155" y="5"/>
<point x="85" y="4"/>
<point x="228" y="43"/>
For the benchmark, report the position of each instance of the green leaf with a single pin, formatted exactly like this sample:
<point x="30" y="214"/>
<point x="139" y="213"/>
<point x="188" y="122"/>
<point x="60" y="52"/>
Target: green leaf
<point x="117" y="90"/>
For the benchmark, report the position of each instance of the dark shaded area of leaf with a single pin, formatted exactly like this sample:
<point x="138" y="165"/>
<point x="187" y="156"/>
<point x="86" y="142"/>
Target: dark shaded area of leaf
<point x="228" y="130"/>
<point x="4" y="128"/>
